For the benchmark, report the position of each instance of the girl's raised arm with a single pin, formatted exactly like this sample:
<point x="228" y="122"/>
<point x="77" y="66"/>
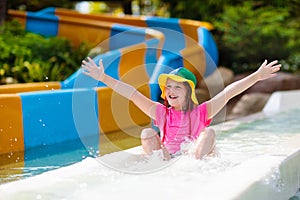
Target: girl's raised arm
<point x="144" y="103"/>
<point x="265" y="71"/>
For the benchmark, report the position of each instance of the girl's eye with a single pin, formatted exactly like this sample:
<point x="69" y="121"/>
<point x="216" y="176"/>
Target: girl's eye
<point x="176" y="87"/>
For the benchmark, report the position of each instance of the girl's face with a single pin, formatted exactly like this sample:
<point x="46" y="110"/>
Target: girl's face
<point x="176" y="94"/>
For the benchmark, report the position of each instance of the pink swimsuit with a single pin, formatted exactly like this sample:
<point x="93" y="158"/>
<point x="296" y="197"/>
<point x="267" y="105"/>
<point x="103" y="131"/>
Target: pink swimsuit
<point x="180" y="125"/>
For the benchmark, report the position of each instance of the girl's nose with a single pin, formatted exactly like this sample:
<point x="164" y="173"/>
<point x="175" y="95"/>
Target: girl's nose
<point x="171" y="90"/>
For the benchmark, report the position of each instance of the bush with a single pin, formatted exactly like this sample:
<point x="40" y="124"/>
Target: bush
<point x="30" y="57"/>
<point x="292" y="64"/>
<point x="248" y="35"/>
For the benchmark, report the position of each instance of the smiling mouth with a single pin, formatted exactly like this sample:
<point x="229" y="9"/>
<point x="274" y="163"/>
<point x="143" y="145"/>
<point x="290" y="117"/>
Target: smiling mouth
<point x="173" y="97"/>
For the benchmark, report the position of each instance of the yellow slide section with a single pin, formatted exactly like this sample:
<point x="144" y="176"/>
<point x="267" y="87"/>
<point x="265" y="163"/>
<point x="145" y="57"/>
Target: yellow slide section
<point x="29" y="87"/>
<point x="11" y="126"/>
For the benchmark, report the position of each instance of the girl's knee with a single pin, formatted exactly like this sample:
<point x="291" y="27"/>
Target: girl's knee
<point x="148" y="133"/>
<point x="210" y="133"/>
<point x="205" y="143"/>
<point x="150" y="140"/>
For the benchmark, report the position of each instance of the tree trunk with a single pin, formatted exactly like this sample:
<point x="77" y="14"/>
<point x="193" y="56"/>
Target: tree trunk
<point x="3" y="11"/>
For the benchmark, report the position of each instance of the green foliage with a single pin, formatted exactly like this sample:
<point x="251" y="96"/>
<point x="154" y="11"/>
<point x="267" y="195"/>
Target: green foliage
<point x="249" y="35"/>
<point x="292" y="64"/>
<point x="29" y="57"/>
<point x="38" y="72"/>
<point x="200" y="10"/>
<point x="35" y="5"/>
<point x="247" y="32"/>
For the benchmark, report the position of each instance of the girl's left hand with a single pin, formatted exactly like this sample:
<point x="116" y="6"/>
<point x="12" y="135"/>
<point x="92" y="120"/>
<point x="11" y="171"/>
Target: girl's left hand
<point x="268" y="70"/>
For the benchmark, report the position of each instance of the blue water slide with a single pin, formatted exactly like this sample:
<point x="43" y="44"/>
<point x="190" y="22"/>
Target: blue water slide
<point x="174" y="38"/>
<point x="111" y="62"/>
<point x="124" y="35"/>
<point x="58" y="116"/>
<point x="211" y="50"/>
<point x="110" y="59"/>
<point x="42" y="23"/>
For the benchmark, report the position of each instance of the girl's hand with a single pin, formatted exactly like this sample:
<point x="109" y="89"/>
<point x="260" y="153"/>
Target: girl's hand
<point x="91" y="69"/>
<point x="268" y="70"/>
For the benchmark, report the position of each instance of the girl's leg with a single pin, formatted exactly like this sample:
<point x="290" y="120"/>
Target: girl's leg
<point x="152" y="142"/>
<point x="205" y="143"/>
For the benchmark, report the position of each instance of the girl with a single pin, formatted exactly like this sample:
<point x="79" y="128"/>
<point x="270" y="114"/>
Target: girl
<point x="181" y="118"/>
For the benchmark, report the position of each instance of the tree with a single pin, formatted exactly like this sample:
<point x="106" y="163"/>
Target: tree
<point x="248" y="31"/>
<point x="3" y="9"/>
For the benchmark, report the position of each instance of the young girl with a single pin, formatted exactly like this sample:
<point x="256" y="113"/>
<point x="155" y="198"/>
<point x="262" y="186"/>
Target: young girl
<point x="181" y="118"/>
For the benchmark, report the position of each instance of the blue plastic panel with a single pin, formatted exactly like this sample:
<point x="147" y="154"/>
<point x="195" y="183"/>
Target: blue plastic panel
<point x="111" y="61"/>
<point x="46" y="25"/>
<point x="46" y="11"/>
<point x="211" y="51"/>
<point x="170" y="27"/>
<point x="151" y="55"/>
<point x="58" y="116"/>
<point x="123" y="36"/>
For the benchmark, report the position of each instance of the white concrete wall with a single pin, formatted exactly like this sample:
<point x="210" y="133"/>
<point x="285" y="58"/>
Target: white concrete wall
<point x="282" y="100"/>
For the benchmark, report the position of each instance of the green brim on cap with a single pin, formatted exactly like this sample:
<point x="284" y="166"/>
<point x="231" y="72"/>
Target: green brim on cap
<point x="179" y="75"/>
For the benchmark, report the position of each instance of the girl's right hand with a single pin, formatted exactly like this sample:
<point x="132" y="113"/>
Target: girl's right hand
<point x="91" y="69"/>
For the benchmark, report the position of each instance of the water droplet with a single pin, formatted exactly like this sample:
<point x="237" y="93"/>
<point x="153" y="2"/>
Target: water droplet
<point x="16" y="139"/>
<point x="46" y="85"/>
<point x="44" y="125"/>
<point x="46" y="78"/>
<point x="40" y="120"/>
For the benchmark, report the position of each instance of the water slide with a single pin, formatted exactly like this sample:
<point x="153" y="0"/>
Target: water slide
<point x="137" y="50"/>
<point x="259" y="158"/>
